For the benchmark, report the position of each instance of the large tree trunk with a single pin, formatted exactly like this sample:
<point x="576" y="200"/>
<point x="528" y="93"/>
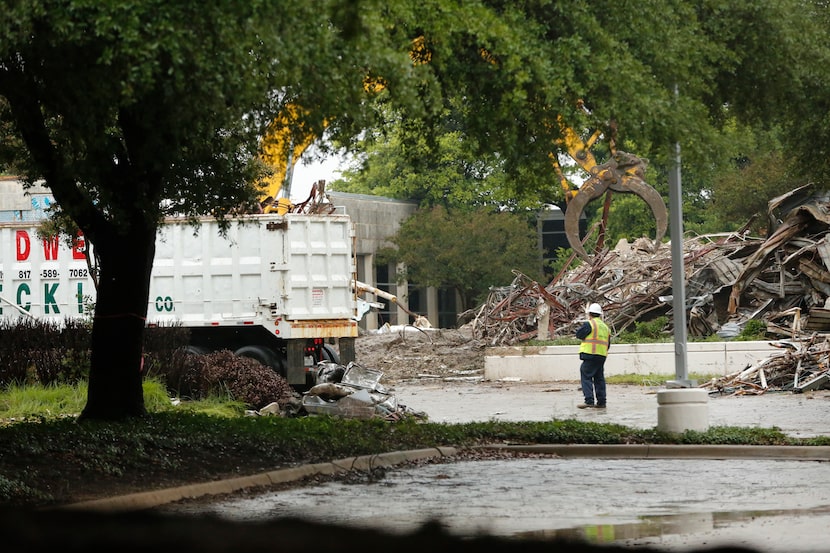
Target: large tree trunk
<point x="115" y="377"/>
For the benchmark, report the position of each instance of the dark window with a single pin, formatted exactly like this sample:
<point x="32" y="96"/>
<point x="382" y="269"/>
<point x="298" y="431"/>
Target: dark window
<point x="447" y="308"/>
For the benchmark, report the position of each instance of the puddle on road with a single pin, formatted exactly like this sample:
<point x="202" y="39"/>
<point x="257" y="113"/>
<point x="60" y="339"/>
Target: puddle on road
<point x="629" y="501"/>
<point x="660" y="526"/>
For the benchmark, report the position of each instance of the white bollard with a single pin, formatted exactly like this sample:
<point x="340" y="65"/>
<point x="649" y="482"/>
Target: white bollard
<point x="681" y="409"/>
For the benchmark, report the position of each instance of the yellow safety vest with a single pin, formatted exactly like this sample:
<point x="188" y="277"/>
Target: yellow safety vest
<point x="598" y="340"/>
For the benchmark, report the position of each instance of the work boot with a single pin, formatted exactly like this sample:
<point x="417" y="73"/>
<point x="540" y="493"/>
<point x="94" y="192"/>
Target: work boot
<point x="585" y="405"/>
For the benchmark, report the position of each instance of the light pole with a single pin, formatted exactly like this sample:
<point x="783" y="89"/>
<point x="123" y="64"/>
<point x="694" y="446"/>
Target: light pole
<point x="682" y="405"/>
<point x="678" y="275"/>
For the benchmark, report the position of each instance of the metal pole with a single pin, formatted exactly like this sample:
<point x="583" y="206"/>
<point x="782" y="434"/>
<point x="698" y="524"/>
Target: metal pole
<point x="678" y="276"/>
<point x="289" y="172"/>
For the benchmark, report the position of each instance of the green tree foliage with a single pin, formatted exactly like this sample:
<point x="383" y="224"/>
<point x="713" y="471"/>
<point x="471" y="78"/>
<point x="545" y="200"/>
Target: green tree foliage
<point x="447" y="172"/>
<point x="741" y="193"/>
<point x="467" y="250"/>
<point x="130" y="111"/>
<point x="629" y="218"/>
<point x="666" y="72"/>
<point x="778" y="76"/>
<point x="449" y="175"/>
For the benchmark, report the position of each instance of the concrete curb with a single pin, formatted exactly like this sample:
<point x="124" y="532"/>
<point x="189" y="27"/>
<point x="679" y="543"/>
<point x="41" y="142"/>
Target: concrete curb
<point x="150" y="499"/>
<point x="659" y="451"/>
<point x="147" y="500"/>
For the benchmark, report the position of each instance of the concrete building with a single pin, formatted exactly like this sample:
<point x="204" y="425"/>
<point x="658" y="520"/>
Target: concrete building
<point x="17" y="206"/>
<point x="376" y="219"/>
<point x="550" y="232"/>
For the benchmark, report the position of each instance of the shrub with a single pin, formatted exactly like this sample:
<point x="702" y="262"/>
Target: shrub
<point x="43" y="351"/>
<point x="46" y="352"/>
<point x="754" y="329"/>
<point x="224" y="374"/>
<point x="161" y="345"/>
<point x="645" y="331"/>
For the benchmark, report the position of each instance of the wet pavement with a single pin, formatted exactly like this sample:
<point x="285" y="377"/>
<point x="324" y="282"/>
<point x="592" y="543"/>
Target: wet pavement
<point x="771" y="506"/>
<point x="798" y="415"/>
<point x="668" y="504"/>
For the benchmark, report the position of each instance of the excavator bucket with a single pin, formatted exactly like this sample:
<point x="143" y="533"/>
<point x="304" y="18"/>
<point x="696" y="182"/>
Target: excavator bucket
<point x="622" y="173"/>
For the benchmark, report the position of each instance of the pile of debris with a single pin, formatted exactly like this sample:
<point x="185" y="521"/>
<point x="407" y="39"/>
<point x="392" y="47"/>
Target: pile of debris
<point x="318" y="201"/>
<point x="355" y="392"/>
<point x="633" y="283"/>
<point x="730" y="279"/>
<point x="801" y="368"/>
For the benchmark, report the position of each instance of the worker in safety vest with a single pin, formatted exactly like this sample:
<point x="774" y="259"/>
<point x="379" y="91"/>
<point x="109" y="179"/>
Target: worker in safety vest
<point x="596" y="339"/>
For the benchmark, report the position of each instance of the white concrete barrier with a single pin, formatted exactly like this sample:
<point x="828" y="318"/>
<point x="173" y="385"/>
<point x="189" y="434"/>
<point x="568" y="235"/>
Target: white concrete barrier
<point x="550" y="363"/>
<point x="682" y="409"/>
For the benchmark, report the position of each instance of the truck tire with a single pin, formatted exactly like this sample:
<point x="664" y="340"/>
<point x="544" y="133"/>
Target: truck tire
<point x="264" y="355"/>
<point x="329" y="354"/>
<point x="196" y="350"/>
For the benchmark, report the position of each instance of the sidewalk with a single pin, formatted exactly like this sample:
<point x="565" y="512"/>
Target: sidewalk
<point x="797" y="415"/>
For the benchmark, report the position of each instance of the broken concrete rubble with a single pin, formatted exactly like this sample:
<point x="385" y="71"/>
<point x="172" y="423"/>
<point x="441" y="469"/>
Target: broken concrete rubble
<point x="730" y="279"/>
<point x="353" y="391"/>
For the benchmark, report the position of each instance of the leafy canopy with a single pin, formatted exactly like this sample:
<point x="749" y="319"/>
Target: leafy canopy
<point x="469" y="251"/>
<point x="131" y="111"/>
<point x="709" y="75"/>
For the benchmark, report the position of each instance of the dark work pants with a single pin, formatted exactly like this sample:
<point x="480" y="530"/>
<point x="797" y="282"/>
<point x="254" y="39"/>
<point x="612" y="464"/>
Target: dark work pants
<point x="592" y="378"/>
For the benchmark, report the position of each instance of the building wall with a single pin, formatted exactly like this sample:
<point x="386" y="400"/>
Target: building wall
<point x="376" y="219"/>
<point x="16" y="205"/>
<point x="550" y="232"/>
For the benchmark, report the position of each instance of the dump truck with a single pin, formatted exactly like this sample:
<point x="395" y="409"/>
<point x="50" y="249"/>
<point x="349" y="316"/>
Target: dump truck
<point x="279" y="288"/>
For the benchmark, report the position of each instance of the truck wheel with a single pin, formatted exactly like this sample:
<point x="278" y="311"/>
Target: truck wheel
<point x="264" y="355"/>
<point x="196" y="350"/>
<point x="329" y="354"/>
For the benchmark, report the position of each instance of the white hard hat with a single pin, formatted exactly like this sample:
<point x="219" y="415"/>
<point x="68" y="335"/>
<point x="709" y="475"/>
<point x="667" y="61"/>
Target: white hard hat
<point x="595" y="309"/>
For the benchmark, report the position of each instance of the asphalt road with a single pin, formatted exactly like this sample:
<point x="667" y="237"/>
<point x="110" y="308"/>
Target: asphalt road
<point x="669" y="504"/>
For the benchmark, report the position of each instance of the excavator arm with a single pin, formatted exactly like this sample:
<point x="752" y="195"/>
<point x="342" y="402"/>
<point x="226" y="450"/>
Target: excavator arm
<point x="280" y="151"/>
<point x="580" y="152"/>
<point x="622" y="173"/>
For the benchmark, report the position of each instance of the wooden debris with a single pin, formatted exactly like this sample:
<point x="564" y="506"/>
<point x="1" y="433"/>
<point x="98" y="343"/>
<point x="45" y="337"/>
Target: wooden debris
<point x="632" y="283"/>
<point x="731" y="278"/>
<point x="798" y="370"/>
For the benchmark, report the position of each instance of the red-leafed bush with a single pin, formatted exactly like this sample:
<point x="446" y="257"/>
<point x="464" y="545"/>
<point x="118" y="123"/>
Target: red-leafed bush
<point x="223" y="373"/>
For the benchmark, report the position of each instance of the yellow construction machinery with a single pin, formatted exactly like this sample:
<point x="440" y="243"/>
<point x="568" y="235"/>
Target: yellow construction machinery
<point x="623" y="172"/>
<point x="281" y="149"/>
<point x="286" y="140"/>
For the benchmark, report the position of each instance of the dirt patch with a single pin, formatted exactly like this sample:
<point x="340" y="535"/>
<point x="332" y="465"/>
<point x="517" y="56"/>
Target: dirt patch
<point x="407" y="354"/>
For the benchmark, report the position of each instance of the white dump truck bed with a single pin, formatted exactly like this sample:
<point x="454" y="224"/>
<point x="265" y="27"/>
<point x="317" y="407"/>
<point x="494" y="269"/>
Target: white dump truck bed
<point x="292" y="273"/>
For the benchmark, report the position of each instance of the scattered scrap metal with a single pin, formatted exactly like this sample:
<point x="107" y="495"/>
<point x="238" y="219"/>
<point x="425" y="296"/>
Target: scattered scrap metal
<point x="730" y="279"/>
<point x="318" y="201"/>
<point x="351" y="391"/>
